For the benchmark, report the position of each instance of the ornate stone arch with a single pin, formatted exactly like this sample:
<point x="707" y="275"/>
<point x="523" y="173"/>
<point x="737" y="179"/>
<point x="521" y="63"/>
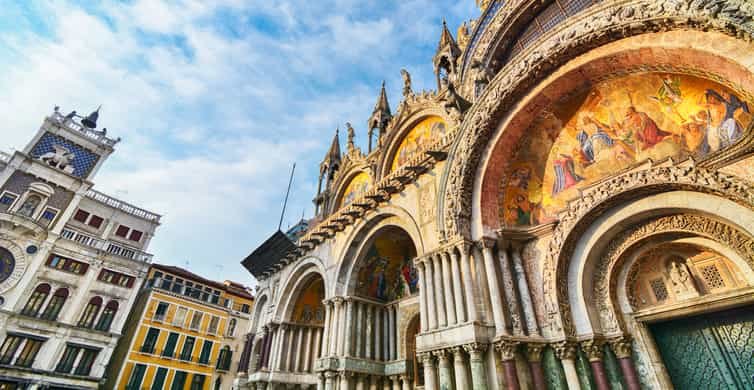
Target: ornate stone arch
<point x="304" y="271"/>
<point x="346" y="174"/>
<point x="594" y="27"/>
<point x="598" y="200"/>
<point x="407" y="119"/>
<point x="359" y="239"/>
<point x="260" y="303"/>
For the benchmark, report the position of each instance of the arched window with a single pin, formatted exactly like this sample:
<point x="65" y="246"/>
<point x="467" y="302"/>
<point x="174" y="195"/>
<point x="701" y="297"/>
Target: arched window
<point x="90" y="312"/>
<point x="223" y="360"/>
<point x="36" y="301"/>
<point x="231" y="327"/>
<point x="56" y="304"/>
<point x="106" y="319"/>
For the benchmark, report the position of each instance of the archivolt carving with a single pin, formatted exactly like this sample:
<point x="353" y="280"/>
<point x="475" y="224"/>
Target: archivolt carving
<point x="598" y="25"/>
<point x="595" y="200"/>
<point x="605" y="284"/>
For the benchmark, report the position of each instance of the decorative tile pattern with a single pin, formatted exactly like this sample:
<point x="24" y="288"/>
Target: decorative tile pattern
<point x="83" y="162"/>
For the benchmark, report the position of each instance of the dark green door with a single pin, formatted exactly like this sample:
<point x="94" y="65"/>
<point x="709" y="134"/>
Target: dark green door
<point x="712" y="351"/>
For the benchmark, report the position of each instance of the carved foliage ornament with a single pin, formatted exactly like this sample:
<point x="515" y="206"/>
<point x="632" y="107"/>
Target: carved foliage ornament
<point x="598" y="26"/>
<point x="595" y="200"/>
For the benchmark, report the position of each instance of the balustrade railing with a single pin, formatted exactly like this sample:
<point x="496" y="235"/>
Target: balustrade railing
<point x="105" y="245"/>
<point x="122" y="206"/>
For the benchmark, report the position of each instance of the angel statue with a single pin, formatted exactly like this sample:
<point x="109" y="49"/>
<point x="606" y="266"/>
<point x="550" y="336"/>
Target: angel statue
<point x="351" y="135"/>
<point x="406" y="83"/>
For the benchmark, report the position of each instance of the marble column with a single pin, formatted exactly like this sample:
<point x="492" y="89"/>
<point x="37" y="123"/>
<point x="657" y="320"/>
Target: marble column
<point x="406" y="380"/>
<point x="360" y="385"/>
<point x="455" y="270"/>
<point x="430" y="376"/>
<point x="264" y="354"/>
<point x="288" y="344"/>
<point x="387" y="384"/>
<point x="523" y="288"/>
<point x="359" y="331"/>
<point x="501" y="327"/>
<point x="342" y="328"/>
<point x="391" y="335"/>
<point x="422" y="296"/>
<point x="334" y="327"/>
<point x="318" y="342"/>
<point x="345" y="381"/>
<point x="566" y="352"/>
<point x="307" y="352"/>
<point x="534" y="357"/>
<point x="300" y="346"/>
<point x="386" y="333"/>
<point x="510" y="290"/>
<point x="330" y="378"/>
<point x="447" y="280"/>
<point x="507" y="350"/>
<point x="468" y="284"/>
<point x="436" y="262"/>
<point x="622" y="349"/>
<point x="326" y="333"/>
<point x="277" y="350"/>
<point x="446" y="376"/>
<point x="369" y="337"/>
<point x="349" y="327"/>
<point x="593" y="351"/>
<point x="476" y="361"/>
<point x="373" y="382"/>
<point x="459" y="368"/>
<point x="430" y="282"/>
<point x="378" y="333"/>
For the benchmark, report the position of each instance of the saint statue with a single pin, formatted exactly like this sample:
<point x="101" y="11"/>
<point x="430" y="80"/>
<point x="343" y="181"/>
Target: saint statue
<point x="682" y="282"/>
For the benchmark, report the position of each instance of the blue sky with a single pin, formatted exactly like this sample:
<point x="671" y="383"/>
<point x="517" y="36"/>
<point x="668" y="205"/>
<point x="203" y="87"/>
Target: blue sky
<point x="214" y="100"/>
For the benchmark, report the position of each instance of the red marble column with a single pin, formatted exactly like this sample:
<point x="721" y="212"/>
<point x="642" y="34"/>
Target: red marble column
<point x="593" y="351"/>
<point x="511" y="376"/>
<point x="621" y="346"/>
<point x="534" y="356"/>
<point x="600" y="375"/>
<point x="507" y="351"/>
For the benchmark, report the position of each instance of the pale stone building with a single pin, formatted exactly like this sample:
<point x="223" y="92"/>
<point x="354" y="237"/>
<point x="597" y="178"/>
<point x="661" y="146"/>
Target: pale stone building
<point x="572" y="207"/>
<point x="72" y="259"/>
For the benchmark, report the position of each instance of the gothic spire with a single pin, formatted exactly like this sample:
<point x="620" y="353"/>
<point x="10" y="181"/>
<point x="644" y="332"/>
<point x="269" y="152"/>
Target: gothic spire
<point x="380" y="117"/>
<point x="446" y="40"/>
<point x="334" y="153"/>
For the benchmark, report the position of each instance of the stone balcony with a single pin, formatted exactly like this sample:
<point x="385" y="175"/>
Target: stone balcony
<point x="106" y="246"/>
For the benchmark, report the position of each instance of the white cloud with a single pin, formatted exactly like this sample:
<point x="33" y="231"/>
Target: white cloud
<point x="213" y="100"/>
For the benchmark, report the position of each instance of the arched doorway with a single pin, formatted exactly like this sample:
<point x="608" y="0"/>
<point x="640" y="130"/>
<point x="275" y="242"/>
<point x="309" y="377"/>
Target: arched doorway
<point x="303" y="325"/>
<point x="414" y="327"/>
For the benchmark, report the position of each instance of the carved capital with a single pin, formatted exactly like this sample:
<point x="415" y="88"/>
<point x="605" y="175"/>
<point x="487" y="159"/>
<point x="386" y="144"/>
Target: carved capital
<point x="507" y="349"/>
<point x="534" y="351"/>
<point x="593" y="349"/>
<point x="458" y="354"/>
<point x="426" y="358"/>
<point x="330" y="375"/>
<point x="487" y="242"/>
<point x="565" y="350"/>
<point x="442" y="355"/>
<point x="621" y="346"/>
<point x="475" y="350"/>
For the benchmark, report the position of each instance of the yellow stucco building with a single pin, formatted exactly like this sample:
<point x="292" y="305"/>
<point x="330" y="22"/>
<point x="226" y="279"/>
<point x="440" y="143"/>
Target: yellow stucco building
<point x="185" y="333"/>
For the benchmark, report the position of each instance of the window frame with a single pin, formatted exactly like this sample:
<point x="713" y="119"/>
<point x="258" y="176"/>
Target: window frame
<point x="184" y="355"/>
<point x="37" y="300"/>
<point x="148" y="346"/>
<point x="55" y="305"/>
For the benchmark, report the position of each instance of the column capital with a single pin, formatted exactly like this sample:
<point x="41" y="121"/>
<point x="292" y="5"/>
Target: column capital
<point x="475" y="349"/>
<point x="337" y="300"/>
<point x="331" y="375"/>
<point x="457" y="353"/>
<point x="405" y="377"/>
<point x="593" y="349"/>
<point x="464" y="247"/>
<point x="621" y="346"/>
<point x="534" y="351"/>
<point x="507" y="349"/>
<point x="426" y="358"/>
<point x="487" y="243"/>
<point x="442" y="355"/>
<point x="565" y="350"/>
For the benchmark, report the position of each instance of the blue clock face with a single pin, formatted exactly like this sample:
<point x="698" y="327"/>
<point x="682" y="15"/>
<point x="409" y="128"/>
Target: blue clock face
<point x="7" y="264"/>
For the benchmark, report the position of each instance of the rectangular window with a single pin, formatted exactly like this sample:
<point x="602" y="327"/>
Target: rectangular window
<point x="161" y="312"/>
<point x="137" y="375"/>
<point x="244" y="308"/>
<point x="9" y="348"/>
<point x="66" y="264"/>
<point x="196" y="321"/>
<point x="188" y="348"/>
<point x="65" y="365"/>
<point x="179" y="380"/>
<point x="81" y="216"/>
<point x="86" y="362"/>
<point x="206" y="352"/>
<point x="150" y="341"/>
<point x="169" y="350"/>
<point x="180" y="316"/>
<point x="122" y="231"/>
<point x="135" y="235"/>
<point x="47" y="216"/>
<point x="116" y="278"/>
<point x="197" y="382"/>
<point x="159" y="378"/>
<point x="28" y="353"/>
<point x="214" y="323"/>
<point x="95" y="221"/>
<point x="7" y="199"/>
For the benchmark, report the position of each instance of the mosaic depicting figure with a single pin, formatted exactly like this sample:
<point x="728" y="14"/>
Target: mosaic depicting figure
<point x="358" y="185"/>
<point x="388" y="272"/>
<point x="612" y="126"/>
<point x="309" y="308"/>
<point x="417" y="140"/>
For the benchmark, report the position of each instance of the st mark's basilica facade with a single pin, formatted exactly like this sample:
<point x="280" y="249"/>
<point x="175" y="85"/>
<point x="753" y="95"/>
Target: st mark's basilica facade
<point x="572" y="207"/>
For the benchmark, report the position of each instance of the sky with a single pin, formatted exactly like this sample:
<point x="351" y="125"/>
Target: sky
<point x="214" y="100"/>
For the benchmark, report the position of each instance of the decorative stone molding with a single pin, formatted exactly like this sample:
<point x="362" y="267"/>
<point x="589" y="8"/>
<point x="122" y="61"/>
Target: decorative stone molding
<point x="621" y="346"/>
<point x="475" y="350"/>
<point x="565" y="350"/>
<point x="593" y="349"/>
<point x="600" y="197"/>
<point x="534" y="351"/>
<point x="599" y="24"/>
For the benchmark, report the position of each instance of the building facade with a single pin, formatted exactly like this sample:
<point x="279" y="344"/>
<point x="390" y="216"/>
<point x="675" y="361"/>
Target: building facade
<point x="72" y="258"/>
<point x="572" y="208"/>
<point x="185" y="332"/>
